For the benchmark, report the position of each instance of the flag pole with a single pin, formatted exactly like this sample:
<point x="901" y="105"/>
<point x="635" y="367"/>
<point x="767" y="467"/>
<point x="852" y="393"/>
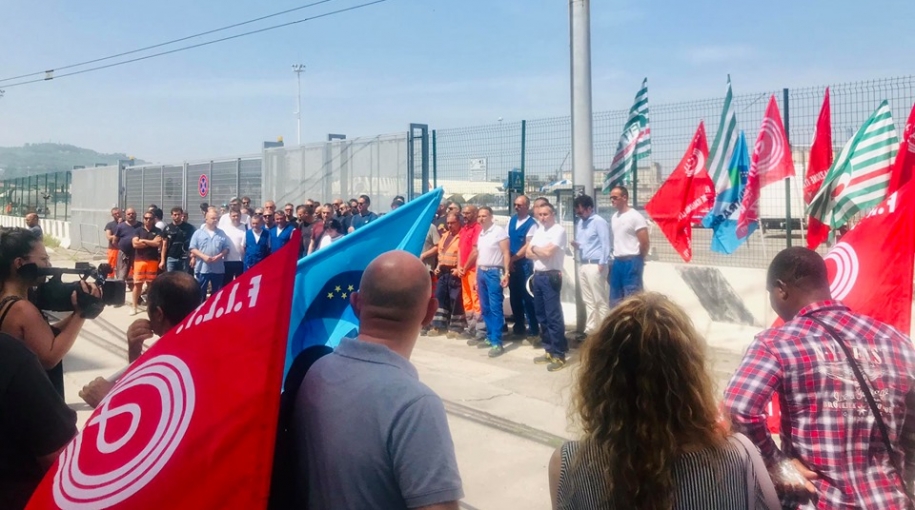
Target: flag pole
<point x="787" y="180"/>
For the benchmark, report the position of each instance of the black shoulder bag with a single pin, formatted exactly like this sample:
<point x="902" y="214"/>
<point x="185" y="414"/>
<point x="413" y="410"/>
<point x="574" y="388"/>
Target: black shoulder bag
<point x="872" y="403"/>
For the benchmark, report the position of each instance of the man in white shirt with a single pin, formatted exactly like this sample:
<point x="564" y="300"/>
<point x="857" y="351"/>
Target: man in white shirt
<point x="630" y="246"/>
<point x="235" y="231"/>
<point x="493" y="263"/>
<point x="547" y="250"/>
<point x="225" y="220"/>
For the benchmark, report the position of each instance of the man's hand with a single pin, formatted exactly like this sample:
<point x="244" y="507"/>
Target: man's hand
<point x="575" y="245"/>
<point x="95" y="391"/>
<point x="138" y="332"/>
<point x="161" y="266"/>
<point x="808" y="474"/>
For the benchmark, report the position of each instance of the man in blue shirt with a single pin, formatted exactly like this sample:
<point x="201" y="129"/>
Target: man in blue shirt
<point x="363" y="216"/>
<point x="281" y="233"/>
<point x="592" y="241"/>
<point x="521" y="227"/>
<point x="209" y="245"/>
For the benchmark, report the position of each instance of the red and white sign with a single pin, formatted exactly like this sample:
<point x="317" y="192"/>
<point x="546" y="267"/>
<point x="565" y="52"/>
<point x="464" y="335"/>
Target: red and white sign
<point x="203" y="185"/>
<point x="192" y="423"/>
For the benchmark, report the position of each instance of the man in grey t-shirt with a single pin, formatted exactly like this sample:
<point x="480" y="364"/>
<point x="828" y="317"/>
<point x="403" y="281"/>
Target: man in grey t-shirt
<point x="369" y="433"/>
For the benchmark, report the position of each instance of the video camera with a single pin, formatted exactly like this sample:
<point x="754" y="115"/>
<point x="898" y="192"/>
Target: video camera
<point x="54" y="295"/>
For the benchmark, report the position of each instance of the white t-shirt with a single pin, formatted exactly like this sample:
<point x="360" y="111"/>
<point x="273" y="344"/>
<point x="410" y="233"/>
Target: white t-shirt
<point x="326" y="241"/>
<point x="555" y="235"/>
<point x="623" y="228"/>
<point x="488" y="251"/>
<point x="236" y="237"/>
<point x="225" y="221"/>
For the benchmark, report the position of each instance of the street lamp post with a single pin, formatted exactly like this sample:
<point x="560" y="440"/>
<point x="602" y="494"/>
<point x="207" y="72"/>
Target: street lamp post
<point x="298" y="69"/>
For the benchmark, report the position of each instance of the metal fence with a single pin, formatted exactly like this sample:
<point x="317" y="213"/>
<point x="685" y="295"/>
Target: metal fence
<point x="48" y="195"/>
<point x="188" y="184"/>
<point x="375" y="166"/>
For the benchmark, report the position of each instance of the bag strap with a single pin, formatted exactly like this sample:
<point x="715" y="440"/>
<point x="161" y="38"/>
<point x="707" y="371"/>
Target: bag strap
<point x="757" y="475"/>
<point x="7" y="302"/>
<point x="871" y="402"/>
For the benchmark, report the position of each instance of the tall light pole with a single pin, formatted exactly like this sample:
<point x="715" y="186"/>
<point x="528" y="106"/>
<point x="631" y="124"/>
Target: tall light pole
<point x="582" y="141"/>
<point x="298" y="69"/>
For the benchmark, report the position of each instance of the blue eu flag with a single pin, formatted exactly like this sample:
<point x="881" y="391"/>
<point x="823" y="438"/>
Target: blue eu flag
<point x="321" y="311"/>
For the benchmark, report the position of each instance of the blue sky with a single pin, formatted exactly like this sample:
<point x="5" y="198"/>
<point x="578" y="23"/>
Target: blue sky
<point x="446" y="63"/>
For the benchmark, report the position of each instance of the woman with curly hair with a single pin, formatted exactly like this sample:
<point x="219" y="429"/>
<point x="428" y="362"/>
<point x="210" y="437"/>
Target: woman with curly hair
<point x="652" y="438"/>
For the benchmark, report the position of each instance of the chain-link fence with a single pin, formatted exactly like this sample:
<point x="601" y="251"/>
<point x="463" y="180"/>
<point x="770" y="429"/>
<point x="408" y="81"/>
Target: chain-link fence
<point x="47" y="195"/>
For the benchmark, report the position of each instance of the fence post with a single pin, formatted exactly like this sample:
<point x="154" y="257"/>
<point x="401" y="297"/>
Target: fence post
<point x="787" y="180"/>
<point x="434" y="161"/>
<point x="523" y="152"/>
<point x="238" y="192"/>
<point x="67" y="179"/>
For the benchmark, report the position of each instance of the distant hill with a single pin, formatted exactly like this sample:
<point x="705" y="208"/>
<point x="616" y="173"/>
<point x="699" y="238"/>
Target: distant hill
<point x="42" y="158"/>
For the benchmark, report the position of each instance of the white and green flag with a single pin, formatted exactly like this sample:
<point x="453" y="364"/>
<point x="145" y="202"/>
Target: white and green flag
<point x="634" y="144"/>
<point x="723" y="145"/>
<point x="859" y="177"/>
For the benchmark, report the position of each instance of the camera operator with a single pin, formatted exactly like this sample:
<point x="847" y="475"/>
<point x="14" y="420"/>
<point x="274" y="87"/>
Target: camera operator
<point x="21" y="254"/>
<point x="172" y="297"/>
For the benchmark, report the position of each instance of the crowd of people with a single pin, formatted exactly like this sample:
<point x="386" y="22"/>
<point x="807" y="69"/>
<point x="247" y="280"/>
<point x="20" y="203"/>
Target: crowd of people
<point x="229" y="240"/>
<point x="473" y="260"/>
<point x="368" y="434"/>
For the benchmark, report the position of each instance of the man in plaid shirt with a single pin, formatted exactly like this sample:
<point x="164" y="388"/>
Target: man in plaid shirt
<point x="828" y="428"/>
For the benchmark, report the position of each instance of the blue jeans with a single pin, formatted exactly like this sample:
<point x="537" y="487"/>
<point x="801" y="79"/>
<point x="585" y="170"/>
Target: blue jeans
<point x="522" y="303"/>
<point x="213" y="279"/>
<point x="173" y="264"/>
<point x="625" y="278"/>
<point x="549" y="314"/>
<point x="489" y="288"/>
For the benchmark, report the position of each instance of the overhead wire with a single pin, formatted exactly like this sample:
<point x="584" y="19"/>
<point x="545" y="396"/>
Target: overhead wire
<point x="185" y="48"/>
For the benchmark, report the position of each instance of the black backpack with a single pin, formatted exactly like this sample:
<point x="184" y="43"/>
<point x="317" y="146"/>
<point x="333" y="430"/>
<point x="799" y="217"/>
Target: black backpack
<point x="283" y="481"/>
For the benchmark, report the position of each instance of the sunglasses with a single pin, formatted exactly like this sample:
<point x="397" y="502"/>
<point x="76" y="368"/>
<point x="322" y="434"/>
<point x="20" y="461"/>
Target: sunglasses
<point x="147" y="217"/>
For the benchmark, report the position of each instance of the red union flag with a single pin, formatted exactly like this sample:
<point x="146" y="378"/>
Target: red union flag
<point x="821" y="157"/>
<point x="871" y="268"/>
<point x="192" y="423"/>
<point x="904" y="166"/>
<point x="771" y="163"/>
<point x="689" y="192"/>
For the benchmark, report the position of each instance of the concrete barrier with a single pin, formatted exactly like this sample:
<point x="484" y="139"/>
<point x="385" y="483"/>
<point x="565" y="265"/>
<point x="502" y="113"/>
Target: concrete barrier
<point x="58" y="229"/>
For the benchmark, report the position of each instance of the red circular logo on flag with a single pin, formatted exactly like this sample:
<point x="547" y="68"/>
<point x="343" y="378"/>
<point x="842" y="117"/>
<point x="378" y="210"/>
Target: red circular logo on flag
<point x="842" y="267"/>
<point x="129" y="438"/>
<point x="203" y="185"/>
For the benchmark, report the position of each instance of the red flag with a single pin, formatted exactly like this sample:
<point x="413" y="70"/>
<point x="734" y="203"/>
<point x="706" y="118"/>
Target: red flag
<point x="687" y="193"/>
<point x="875" y="278"/>
<point x="820" y="161"/>
<point x="904" y="166"/>
<point x="192" y="423"/>
<point x="771" y="163"/>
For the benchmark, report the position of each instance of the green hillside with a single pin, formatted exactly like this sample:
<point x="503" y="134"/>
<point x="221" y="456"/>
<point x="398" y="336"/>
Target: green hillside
<point x="42" y="158"/>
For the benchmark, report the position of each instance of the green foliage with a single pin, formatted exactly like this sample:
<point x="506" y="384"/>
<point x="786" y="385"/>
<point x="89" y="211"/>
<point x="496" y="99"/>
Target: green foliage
<point x="42" y="158"/>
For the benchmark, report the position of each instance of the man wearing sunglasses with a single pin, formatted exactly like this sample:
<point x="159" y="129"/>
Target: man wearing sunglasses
<point x="124" y="235"/>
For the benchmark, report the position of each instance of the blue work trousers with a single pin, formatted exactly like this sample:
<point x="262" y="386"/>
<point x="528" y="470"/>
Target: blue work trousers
<point x="625" y="278"/>
<point x="549" y="313"/>
<point x="489" y="288"/>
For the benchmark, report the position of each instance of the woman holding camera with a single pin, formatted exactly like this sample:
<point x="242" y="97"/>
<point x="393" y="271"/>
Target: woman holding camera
<point x="22" y="253"/>
<point x="652" y="438"/>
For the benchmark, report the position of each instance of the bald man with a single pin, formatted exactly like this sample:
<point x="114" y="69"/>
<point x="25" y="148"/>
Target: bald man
<point x="370" y="434"/>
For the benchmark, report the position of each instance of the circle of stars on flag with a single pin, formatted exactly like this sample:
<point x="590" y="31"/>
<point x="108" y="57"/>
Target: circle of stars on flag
<point x="339" y="292"/>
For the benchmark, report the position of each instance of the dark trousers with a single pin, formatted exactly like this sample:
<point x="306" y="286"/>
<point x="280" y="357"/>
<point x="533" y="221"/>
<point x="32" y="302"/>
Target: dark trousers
<point x="625" y="278"/>
<point x="522" y="303"/>
<point x="213" y="280"/>
<point x="450" y="313"/>
<point x="233" y="270"/>
<point x="549" y="314"/>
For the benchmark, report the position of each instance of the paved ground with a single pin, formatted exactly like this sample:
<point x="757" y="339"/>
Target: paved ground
<point x="506" y="415"/>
